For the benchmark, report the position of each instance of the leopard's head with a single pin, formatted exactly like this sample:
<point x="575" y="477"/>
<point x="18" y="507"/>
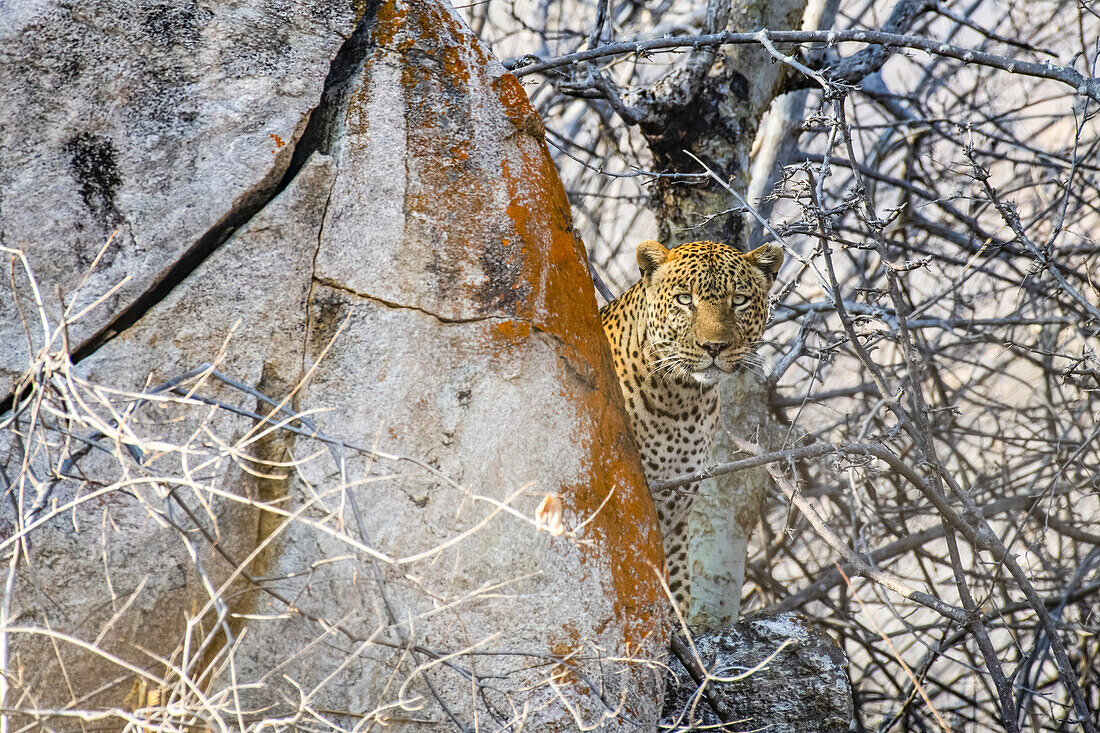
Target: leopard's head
<point x="706" y="306"/>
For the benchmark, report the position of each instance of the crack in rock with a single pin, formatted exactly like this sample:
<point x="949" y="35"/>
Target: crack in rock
<point x="403" y="306"/>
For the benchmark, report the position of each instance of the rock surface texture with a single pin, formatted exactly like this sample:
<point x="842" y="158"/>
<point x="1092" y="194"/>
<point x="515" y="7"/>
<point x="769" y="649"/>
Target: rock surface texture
<point x="167" y="124"/>
<point x="340" y="226"/>
<point x="780" y="675"/>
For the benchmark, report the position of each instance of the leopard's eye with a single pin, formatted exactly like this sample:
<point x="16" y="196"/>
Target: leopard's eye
<point x="684" y="298"/>
<point x="740" y="301"/>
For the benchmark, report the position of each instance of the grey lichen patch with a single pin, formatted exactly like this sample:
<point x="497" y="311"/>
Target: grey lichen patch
<point x="173" y="23"/>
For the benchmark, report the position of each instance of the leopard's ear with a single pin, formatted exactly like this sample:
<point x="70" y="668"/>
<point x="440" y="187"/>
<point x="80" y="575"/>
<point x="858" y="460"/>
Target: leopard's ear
<point x="651" y="255"/>
<point x="767" y="258"/>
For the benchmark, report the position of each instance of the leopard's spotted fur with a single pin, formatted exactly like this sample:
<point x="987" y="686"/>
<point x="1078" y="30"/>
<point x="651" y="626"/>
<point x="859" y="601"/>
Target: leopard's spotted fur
<point x="669" y="354"/>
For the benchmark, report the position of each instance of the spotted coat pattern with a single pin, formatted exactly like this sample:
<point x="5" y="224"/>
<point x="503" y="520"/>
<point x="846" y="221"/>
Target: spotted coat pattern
<point x="697" y="311"/>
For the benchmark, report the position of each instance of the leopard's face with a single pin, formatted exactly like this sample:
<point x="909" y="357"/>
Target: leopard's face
<point x="707" y="305"/>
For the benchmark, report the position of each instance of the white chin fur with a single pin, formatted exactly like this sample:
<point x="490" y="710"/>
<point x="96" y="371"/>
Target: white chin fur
<point x="710" y="375"/>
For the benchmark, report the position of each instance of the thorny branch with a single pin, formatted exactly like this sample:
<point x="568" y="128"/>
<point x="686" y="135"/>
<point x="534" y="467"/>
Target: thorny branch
<point x="1085" y="85"/>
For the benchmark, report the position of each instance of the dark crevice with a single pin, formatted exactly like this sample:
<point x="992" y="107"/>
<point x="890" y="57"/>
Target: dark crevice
<point x="320" y="132"/>
<point x="308" y="316"/>
<point x="325" y="121"/>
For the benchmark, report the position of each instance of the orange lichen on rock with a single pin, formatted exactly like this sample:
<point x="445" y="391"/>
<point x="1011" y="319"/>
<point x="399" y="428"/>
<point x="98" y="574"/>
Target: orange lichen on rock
<point x="388" y="20"/>
<point x="562" y="303"/>
<point x="517" y="108"/>
<point x="514" y="330"/>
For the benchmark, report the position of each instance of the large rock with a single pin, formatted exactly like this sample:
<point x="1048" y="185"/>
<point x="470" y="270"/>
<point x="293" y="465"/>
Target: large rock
<point x="415" y="287"/>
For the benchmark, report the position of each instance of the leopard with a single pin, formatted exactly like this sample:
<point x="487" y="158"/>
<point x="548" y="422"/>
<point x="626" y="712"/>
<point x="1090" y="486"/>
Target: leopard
<point x="696" y="313"/>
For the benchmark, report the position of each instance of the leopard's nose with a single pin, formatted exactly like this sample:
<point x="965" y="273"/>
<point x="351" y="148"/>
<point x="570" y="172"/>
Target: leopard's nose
<point x="714" y="348"/>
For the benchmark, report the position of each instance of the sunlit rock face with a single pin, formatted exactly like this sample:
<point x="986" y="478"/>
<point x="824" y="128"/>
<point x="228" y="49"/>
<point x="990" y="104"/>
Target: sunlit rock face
<point x="402" y="270"/>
